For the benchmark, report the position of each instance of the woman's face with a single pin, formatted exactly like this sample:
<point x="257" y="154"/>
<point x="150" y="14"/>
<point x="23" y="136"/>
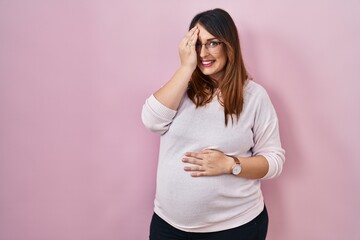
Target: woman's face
<point x="211" y="57"/>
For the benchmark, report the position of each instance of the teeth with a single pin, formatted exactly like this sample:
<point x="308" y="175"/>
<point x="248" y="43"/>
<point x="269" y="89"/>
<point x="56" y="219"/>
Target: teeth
<point x="206" y="62"/>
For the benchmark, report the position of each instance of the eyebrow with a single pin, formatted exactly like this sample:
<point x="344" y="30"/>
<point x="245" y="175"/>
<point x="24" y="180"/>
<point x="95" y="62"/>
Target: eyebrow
<point x="210" y="39"/>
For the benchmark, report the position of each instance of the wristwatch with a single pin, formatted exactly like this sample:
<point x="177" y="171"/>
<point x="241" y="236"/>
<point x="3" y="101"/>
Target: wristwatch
<point x="236" y="169"/>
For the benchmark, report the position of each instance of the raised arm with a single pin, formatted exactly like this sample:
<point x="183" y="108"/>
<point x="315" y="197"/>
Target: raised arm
<point x="171" y="93"/>
<point x="160" y="108"/>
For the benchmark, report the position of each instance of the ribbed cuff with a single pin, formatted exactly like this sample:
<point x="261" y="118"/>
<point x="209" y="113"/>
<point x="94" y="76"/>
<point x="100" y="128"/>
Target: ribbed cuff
<point x="160" y="109"/>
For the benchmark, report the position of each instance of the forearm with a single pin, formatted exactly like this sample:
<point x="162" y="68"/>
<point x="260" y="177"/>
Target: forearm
<point x="172" y="92"/>
<point x="253" y="167"/>
<point x="211" y="162"/>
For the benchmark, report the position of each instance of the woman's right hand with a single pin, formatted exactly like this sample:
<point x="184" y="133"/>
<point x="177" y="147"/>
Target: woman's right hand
<point x="171" y="94"/>
<point x="187" y="51"/>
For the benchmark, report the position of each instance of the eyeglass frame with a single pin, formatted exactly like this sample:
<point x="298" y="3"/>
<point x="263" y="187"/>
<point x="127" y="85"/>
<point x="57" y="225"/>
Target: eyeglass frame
<point x="198" y="45"/>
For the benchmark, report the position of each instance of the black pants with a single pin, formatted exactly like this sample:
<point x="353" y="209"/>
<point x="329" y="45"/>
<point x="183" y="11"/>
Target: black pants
<point x="254" y="230"/>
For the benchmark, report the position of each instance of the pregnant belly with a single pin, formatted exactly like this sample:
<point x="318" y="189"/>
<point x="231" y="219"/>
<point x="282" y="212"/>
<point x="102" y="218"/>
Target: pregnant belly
<point x="196" y="202"/>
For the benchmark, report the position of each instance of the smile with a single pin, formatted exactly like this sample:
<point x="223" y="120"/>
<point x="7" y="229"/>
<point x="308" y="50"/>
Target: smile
<point x="207" y="63"/>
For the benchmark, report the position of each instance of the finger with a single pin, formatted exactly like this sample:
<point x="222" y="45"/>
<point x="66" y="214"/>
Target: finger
<point x="194" y="37"/>
<point x="194" y="155"/>
<point x="193" y="161"/>
<point x="191" y="31"/>
<point x="206" y="151"/>
<point x="210" y="150"/>
<point x="194" y="168"/>
<point x="192" y="40"/>
<point x="188" y="35"/>
<point x="198" y="174"/>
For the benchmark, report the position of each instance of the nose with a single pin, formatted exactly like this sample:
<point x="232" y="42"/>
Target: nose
<point x="203" y="51"/>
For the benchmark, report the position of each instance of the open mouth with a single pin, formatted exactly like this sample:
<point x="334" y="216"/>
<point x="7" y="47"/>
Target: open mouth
<point x="207" y="63"/>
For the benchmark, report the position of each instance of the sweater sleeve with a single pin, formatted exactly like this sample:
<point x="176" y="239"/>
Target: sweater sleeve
<point x="156" y="116"/>
<point x="266" y="136"/>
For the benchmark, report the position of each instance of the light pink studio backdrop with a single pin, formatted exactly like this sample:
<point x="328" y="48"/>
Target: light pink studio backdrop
<point x="76" y="162"/>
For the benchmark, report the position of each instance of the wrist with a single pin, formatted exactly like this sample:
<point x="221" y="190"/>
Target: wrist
<point x="229" y="164"/>
<point x="187" y="69"/>
<point x="236" y="166"/>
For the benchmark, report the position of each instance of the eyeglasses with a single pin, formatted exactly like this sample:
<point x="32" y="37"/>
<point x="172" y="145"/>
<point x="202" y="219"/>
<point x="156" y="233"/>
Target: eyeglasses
<point x="210" y="45"/>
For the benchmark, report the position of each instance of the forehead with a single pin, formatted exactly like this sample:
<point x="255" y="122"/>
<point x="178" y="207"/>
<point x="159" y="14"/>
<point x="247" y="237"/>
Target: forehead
<point x="204" y="35"/>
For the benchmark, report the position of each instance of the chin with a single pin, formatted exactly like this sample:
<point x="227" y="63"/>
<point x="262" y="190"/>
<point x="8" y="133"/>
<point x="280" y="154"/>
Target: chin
<point x="208" y="72"/>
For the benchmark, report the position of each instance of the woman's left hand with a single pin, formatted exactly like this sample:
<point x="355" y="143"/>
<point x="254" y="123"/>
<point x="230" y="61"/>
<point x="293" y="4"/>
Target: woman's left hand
<point x="208" y="162"/>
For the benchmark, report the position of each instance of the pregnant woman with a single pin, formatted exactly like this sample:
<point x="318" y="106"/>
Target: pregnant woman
<point x="219" y="137"/>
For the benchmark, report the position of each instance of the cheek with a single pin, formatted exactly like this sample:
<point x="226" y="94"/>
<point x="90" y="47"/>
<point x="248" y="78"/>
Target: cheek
<point x="222" y="62"/>
<point x="222" y="58"/>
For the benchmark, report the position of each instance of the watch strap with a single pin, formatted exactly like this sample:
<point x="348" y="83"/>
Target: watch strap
<point x="237" y="161"/>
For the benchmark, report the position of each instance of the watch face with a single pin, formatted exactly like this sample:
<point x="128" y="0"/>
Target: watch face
<point x="237" y="169"/>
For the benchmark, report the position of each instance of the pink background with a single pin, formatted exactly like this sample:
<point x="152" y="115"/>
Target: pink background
<point x="76" y="162"/>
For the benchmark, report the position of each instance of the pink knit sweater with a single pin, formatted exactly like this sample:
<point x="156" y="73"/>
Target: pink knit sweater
<point x="208" y="204"/>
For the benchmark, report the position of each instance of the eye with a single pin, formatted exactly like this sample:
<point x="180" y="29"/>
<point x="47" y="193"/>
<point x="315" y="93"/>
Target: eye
<point x="213" y="43"/>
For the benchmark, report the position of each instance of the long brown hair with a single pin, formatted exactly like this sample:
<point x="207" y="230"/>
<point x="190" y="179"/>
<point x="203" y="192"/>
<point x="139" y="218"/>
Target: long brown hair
<point x="201" y="87"/>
